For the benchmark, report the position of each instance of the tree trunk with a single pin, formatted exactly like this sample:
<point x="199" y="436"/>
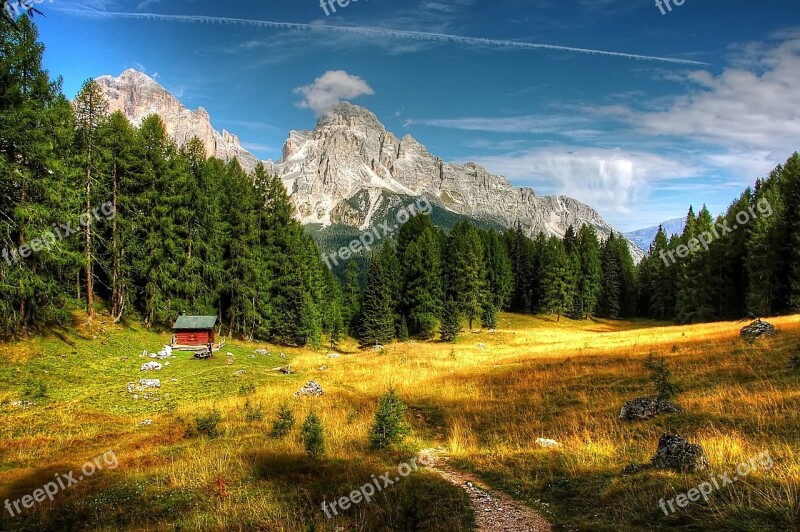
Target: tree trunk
<point x="88" y="241"/>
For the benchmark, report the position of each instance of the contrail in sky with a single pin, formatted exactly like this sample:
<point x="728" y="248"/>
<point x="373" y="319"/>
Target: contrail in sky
<point x="377" y="32"/>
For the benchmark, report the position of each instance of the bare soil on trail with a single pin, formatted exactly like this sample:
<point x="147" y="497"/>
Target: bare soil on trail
<point x="494" y="510"/>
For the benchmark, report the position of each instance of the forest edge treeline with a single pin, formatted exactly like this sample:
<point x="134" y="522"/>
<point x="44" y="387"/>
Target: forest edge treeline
<point x="196" y="234"/>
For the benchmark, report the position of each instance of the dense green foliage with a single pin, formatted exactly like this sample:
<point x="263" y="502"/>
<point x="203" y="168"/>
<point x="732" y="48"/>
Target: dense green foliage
<point x="744" y="262"/>
<point x="177" y="232"/>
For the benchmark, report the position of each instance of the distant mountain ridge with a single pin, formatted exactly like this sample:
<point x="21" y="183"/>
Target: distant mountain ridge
<point x="349" y="168"/>
<point x="644" y="238"/>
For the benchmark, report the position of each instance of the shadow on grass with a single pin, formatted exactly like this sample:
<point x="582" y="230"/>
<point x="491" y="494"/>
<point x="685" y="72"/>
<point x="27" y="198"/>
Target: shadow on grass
<point x="421" y="501"/>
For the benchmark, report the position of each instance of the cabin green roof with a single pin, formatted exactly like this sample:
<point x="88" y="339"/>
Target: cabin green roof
<point x="194" y="323"/>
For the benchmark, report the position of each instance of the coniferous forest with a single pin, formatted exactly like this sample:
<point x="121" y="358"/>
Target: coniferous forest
<point x="183" y="232"/>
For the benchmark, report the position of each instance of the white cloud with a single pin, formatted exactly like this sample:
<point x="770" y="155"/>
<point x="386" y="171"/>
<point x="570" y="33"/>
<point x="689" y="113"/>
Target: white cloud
<point x="614" y="181"/>
<point x="331" y="88"/>
<point x="751" y="110"/>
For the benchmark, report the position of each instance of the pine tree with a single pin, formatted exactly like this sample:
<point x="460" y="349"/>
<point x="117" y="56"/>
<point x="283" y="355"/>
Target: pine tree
<point x="465" y="276"/>
<point x="390" y="426"/>
<point x="377" y="317"/>
<point x="420" y="253"/>
<point x="611" y="282"/>
<point x="499" y="275"/>
<point x="312" y="435"/>
<point x="589" y="274"/>
<point x="90" y="110"/>
<point x="36" y="195"/>
<point x="557" y="278"/>
<point x="451" y="321"/>
<point x="352" y="298"/>
<point x="118" y="160"/>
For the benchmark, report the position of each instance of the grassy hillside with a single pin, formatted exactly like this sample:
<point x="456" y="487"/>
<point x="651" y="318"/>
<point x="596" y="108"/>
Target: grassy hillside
<point x="485" y="400"/>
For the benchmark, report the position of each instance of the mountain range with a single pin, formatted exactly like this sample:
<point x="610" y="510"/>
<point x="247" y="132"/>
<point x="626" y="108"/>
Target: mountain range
<point x="643" y="238"/>
<point x="350" y="172"/>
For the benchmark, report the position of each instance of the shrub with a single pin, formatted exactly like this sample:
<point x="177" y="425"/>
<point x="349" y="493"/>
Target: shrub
<point x="247" y="389"/>
<point x="252" y="413"/>
<point x="283" y="423"/>
<point x="661" y="377"/>
<point x="206" y="424"/>
<point x="390" y="425"/>
<point x="313" y="436"/>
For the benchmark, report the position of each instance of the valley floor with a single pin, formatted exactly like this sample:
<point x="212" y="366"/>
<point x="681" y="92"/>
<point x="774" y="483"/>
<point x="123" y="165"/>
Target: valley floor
<point x="484" y="401"/>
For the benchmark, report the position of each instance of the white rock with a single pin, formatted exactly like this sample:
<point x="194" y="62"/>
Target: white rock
<point x="547" y="444"/>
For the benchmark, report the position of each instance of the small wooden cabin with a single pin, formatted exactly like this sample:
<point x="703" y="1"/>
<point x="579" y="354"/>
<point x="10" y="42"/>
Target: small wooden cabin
<point x="194" y="331"/>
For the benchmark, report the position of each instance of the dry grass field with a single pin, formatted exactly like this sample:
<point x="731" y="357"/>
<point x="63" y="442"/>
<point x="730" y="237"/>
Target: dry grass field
<point x="484" y="401"/>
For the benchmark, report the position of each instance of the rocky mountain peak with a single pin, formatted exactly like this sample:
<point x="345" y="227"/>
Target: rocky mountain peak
<point x="350" y="170"/>
<point x="346" y="114"/>
<point x="138" y="95"/>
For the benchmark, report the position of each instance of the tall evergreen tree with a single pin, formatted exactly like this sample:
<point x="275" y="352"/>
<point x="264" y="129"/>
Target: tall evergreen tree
<point x="557" y="278"/>
<point x="420" y="253"/>
<point x="90" y="111"/>
<point x="377" y="317"/>
<point x="465" y="276"/>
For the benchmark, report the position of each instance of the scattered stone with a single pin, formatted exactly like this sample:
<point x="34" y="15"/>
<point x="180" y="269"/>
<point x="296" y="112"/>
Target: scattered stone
<point x="151" y="366"/>
<point x="145" y="423"/>
<point x="251" y="356"/>
<point x="286" y="370"/>
<point x="240" y="372"/>
<point x="262" y="352"/>
<point x="547" y="443"/>
<point x="676" y="454"/>
<point x="758" y="329"/>
<point x="322" y="368"/>
<point x="645" y="408"/>
<point x="282" y="355"/>
<point x="228" y="354"/>
<point x="794" y="362"/>
<point x="173" y="379"/>
<point x="312" y="389"/>
<point x="378" y="347"/>
<point x="22" y="404"/>
<point x="334" y="355"/>
<point x="150" y="383"/>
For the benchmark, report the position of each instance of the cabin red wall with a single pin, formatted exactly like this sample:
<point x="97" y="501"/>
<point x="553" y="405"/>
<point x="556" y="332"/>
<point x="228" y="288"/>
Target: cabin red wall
<point x="193" y="337"/>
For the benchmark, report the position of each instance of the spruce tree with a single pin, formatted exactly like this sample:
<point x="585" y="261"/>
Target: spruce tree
<point x="465" y="276"/>
<point x="90" y="111"/>
<point x="451" y="321"/>
<point x="377" y="317"/>
<point x="420" y="253"/>
<point x="390" y="426"/>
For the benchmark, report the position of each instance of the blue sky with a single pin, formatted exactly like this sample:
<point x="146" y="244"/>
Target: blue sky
<point x="636" y="113"/>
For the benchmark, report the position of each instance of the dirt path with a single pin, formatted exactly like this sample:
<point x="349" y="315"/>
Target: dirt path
<point x="494" y="510"/>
